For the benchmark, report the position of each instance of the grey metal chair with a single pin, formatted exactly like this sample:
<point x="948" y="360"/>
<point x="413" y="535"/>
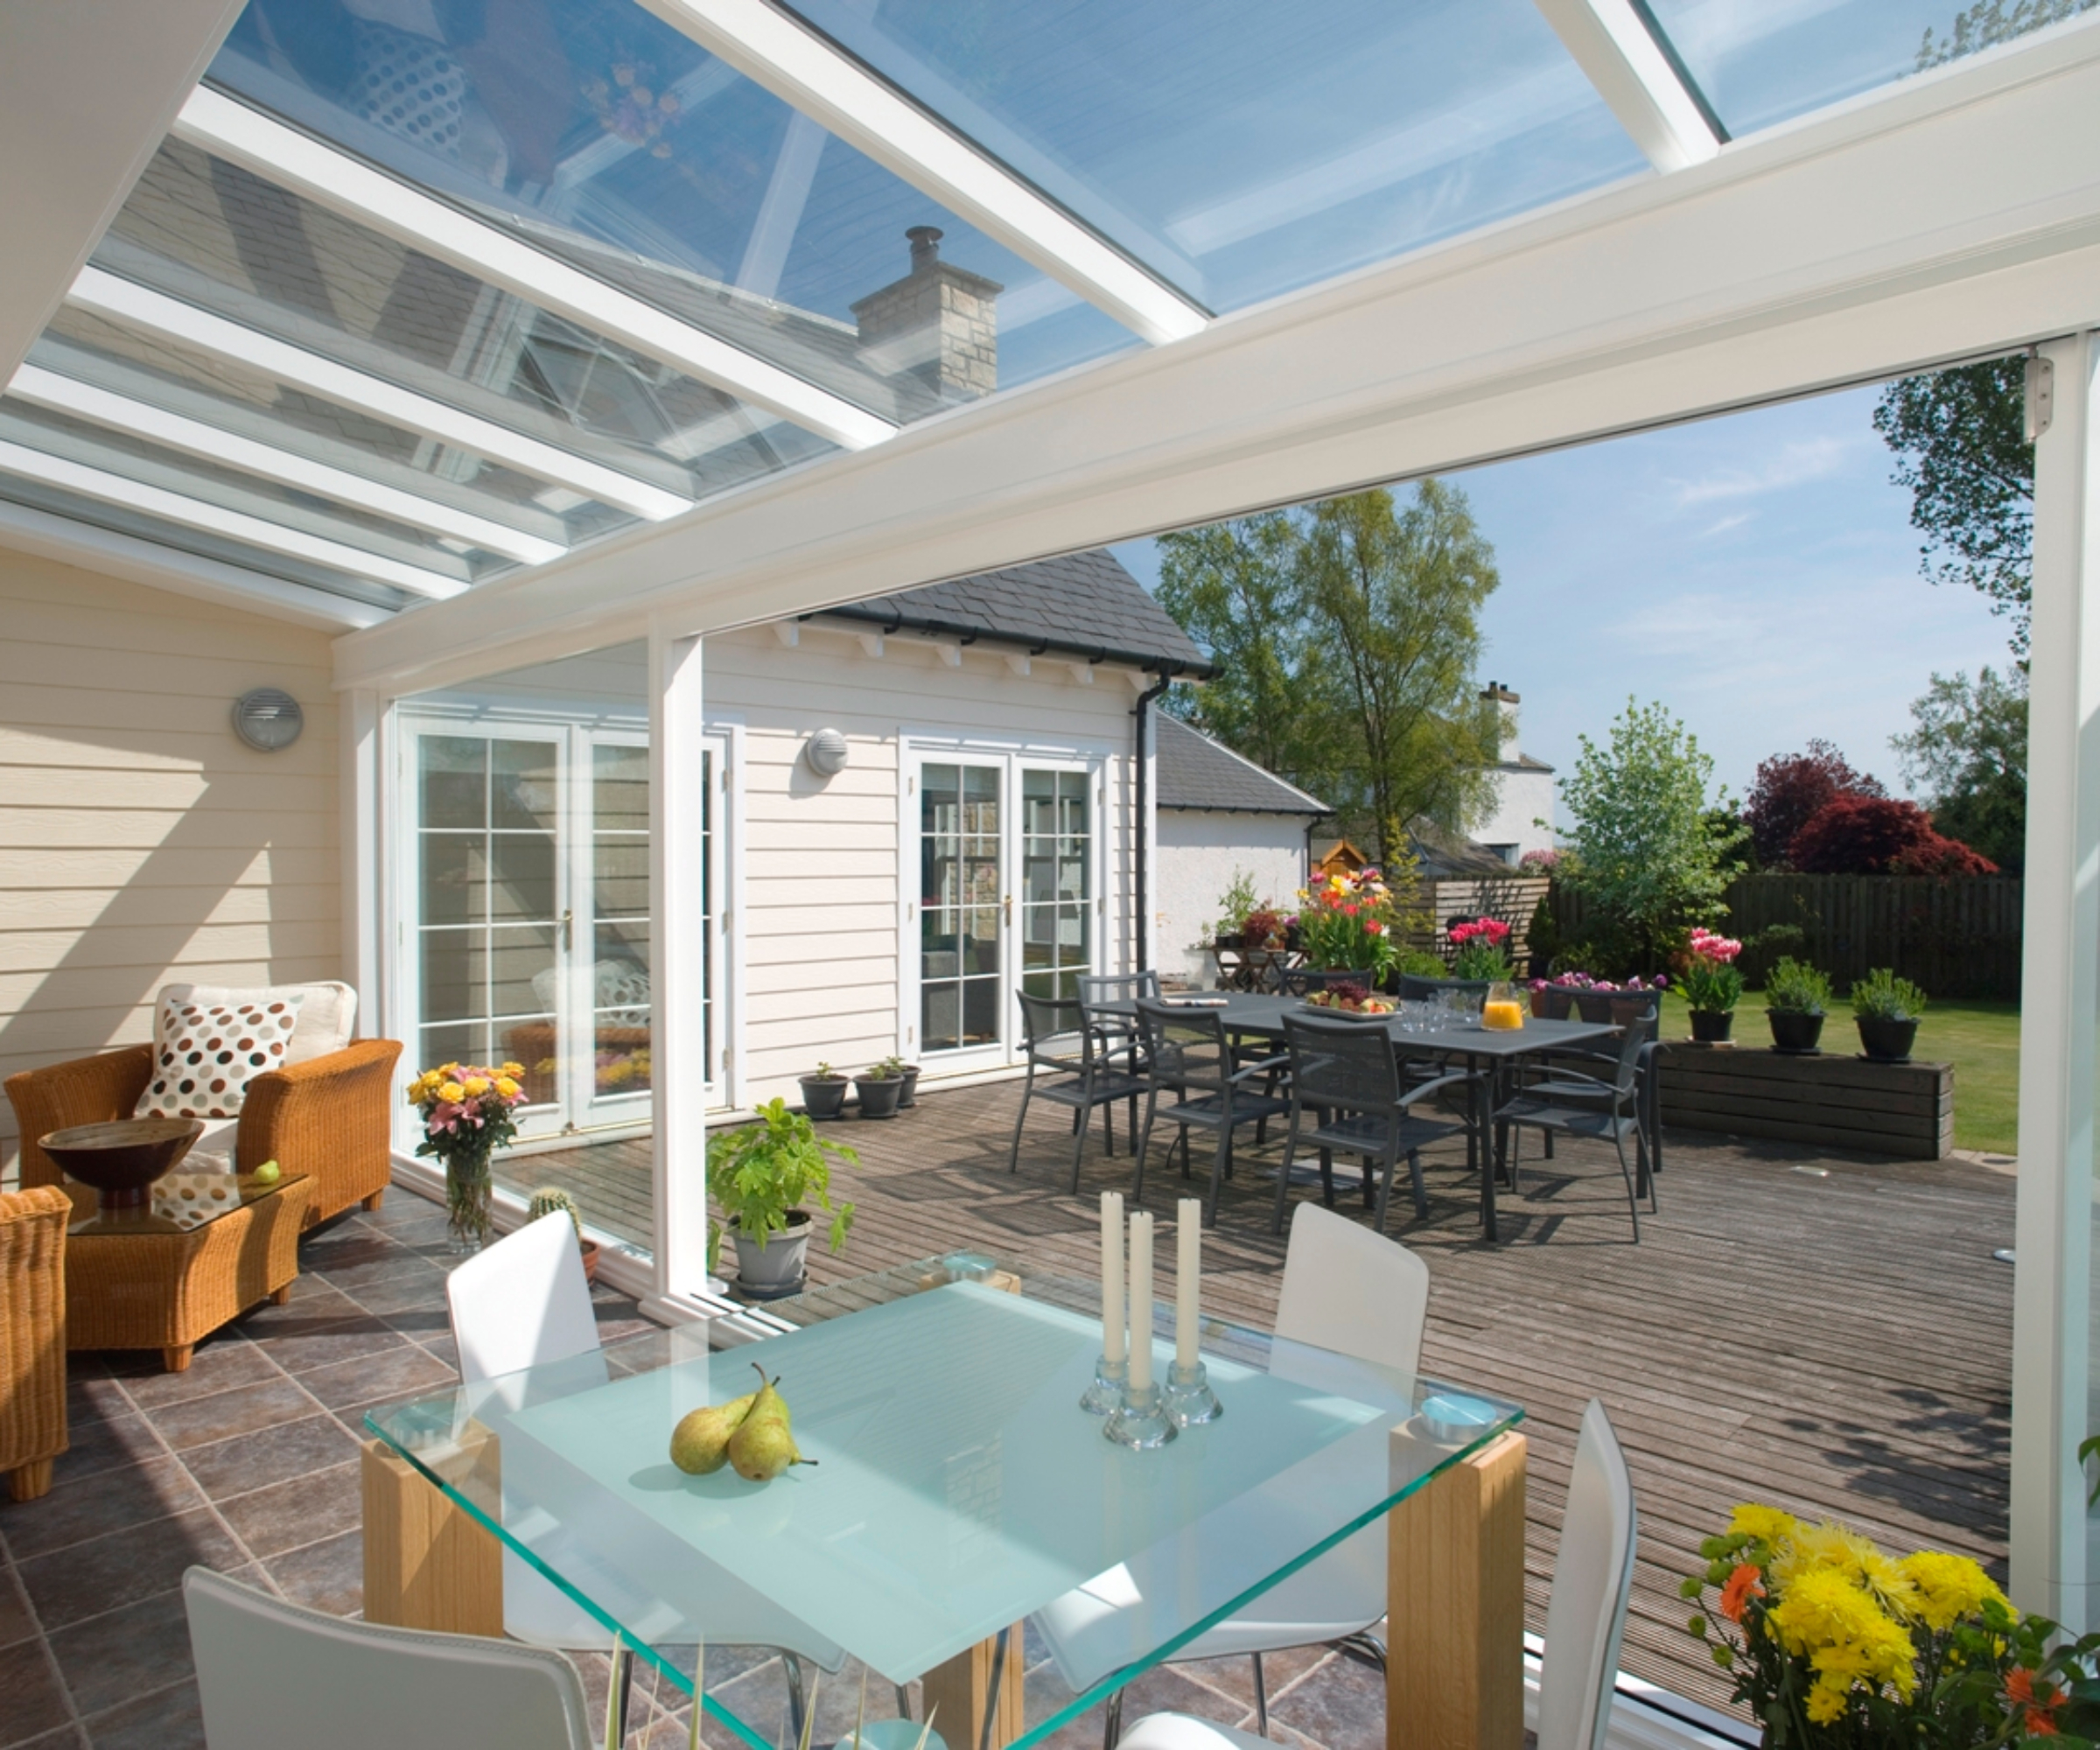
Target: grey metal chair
<point x="1578" y="1105"/>
<point x="1117" y="1028"/>
<point x="1053" y="1029"/>
<point x="1193" y="1058"/>
<point x="1346" y="1074"/>
<point x="1638" y="1008"/>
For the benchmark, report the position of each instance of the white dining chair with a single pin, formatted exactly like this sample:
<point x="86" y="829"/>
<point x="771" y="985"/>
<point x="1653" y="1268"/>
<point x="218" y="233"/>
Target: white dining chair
<point x="1346" y="1288"/>
<point x="1586" y="1616"/>
<point x="270" y="1674"/>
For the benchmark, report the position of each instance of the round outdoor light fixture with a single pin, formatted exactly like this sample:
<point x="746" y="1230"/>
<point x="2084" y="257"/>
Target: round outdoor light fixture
<point x="826" y="753"/>
<point x="268" y="719"/>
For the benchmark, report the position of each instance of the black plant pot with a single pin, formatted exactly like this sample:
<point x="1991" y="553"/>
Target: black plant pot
<point x="1887" y="1041"/>
<point x="825" y="1097"/>
<point x="909" y="1098"/>
<point x="878" y="1094"/>
<point x="1232" y="939"/>
<point x="1794" y="1032"/>
<point x="1711" y="1027"/>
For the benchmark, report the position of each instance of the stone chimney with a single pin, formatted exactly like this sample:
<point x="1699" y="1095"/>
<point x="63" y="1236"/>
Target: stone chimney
<point x="1506" y="702"/>
<point x="939" y="324"/>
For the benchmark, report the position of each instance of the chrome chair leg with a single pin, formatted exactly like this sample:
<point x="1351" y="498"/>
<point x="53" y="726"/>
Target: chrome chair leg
<point x="1111" y="1724"/>
<point x="1366" y="1649"/>
<point x="1260" y="1697"/>
<point x="791" y="1669"/>
<point x="623" y="1692"/>
<point x="904" y="1702"/>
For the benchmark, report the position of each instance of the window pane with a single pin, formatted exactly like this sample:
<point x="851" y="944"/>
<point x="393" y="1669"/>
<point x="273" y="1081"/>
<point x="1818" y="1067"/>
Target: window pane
<point x="454" y="885"/>
<point x="521" y="877"/>
<point x="521" y="976"/>
<point x="451" y="974"/>
<point x="454" y="770"/>
<point x="522" y="794"/>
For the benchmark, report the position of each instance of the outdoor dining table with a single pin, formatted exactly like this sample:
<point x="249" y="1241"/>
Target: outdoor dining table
<point x="958" y="1488"/>
<point x="1490" y="1054"/>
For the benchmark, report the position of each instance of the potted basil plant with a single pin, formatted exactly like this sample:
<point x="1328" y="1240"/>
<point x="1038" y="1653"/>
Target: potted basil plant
<point x="825" y="1092"/>
<point x="761" y="1175"/>
<point x="1797" y="997"/>
<point x="880" y="1088"/>
<point x="1886" y="1009"/>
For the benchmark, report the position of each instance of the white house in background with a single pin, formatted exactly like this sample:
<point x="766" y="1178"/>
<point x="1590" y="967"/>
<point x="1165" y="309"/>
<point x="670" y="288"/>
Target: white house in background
<point x="1522" y="819"/>
<point x="1219" y="814"/>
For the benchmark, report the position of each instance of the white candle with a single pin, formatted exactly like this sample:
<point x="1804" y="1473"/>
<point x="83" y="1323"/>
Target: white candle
<point x="1111" y="1275"/>
<point x="1141" y="1300"/>
<point x="1188" y="1277"/>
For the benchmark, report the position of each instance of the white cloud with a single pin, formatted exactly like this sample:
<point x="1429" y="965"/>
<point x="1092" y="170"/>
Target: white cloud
<point x="1796" y="464"/>
<point x="1726" y="523"/>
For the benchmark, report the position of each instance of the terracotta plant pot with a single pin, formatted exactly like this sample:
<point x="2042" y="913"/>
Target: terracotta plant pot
<point x="1712" y="1026"/>
<point x="589" y="1248"/>
<point x="1887" y="1041"/>
<point x="825" y="1097"/>
<point x="879" y="1095"/>
<point x="1794" y="1032"/>
<point x="778" y="1268"/>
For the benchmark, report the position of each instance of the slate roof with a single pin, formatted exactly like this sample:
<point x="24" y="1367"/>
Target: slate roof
<point x="1195" y="773"/>
<point x="1081" y="604"/>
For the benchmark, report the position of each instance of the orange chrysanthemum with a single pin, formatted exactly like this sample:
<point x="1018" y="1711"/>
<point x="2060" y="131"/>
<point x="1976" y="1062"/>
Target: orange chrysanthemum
<point x="2040" y="1708"/>
<point x="1746" y="1582"/>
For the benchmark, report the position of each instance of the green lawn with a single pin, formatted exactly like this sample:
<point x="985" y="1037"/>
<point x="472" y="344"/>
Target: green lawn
<point x="1981" y="1040"/>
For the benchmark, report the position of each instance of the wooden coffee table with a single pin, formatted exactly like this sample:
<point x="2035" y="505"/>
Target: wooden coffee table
<point x="206" y="1248"/>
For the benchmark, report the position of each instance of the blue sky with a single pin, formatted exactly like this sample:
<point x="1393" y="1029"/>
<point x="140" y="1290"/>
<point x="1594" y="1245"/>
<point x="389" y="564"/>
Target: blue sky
<point x="1757" y="573"/>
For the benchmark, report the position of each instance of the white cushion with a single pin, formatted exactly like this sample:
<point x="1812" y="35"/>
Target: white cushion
<point x="327" y="1011"/>
<point x="1183" y="1731"/>
<point x="207" y="1048"/>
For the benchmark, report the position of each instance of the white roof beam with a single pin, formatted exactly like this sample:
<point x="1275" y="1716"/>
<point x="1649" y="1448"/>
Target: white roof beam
<point x="126" y="301"/>
<point x="347" y="185"/>
<point x="1612" y="44"/>
<point x="807" y="71"/>
<point x="192" y="513"/>
<point x="123" y="413"/>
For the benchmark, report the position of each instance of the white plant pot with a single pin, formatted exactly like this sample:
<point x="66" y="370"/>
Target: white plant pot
<point x="779" y="1265"/>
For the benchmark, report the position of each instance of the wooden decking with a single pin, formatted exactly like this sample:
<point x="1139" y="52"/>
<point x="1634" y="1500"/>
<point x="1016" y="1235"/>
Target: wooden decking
<point x="1828" y="1334"/>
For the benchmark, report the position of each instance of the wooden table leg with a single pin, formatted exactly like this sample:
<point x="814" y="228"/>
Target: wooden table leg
<point x="428" y="1563"/>
<point x="1454" y="1675"/>
<point x="961" y="1688"/>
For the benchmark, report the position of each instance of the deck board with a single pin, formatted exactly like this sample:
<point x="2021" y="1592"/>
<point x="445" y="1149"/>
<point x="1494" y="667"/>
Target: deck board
<point x="1840" y="1345"/>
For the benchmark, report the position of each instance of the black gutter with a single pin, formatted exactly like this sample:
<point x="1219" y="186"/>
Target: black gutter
<point x="1141" y="844"/>
<point x="892" y="619"/>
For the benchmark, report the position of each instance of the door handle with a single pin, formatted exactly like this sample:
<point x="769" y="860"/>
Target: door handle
<point x="1007" y="901"/>
<point x="568" y="931"/>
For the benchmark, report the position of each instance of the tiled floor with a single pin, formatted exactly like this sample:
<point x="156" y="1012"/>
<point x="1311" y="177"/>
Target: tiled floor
<point x="247" y="1463"/>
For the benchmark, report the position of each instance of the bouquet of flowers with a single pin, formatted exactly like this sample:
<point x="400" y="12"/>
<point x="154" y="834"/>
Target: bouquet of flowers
<point x="1347" y="921"/>
<point x="466" y="1118"/>
<point x="1712" y="983"/>
<point x="1834" y="1643"/>
<point x="1483" y="948"/>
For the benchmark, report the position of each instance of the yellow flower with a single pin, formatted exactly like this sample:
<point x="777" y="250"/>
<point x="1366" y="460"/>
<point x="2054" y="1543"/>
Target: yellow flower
<point x="513" y="1069"/>
<point x="1947" y="1588"/>
<point x="1826" y="1703"/>
<point x="1767" y="1524"/>
<point x="1811" y="1549"/>
<point x="451" y="1091"/>
<point x="476" y="1086"/>
<point x="506" y="1086"/>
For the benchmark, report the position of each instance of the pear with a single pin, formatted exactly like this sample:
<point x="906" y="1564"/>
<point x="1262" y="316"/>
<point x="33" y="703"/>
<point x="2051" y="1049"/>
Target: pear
<point x="763" y="1446"/>
<point x="700" y="1442"/>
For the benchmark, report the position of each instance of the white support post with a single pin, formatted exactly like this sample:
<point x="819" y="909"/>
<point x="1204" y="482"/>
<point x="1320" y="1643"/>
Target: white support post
<point x="2060" y="1006"/>
<point x="364" y="850"/>
<point x="678" y="964"/>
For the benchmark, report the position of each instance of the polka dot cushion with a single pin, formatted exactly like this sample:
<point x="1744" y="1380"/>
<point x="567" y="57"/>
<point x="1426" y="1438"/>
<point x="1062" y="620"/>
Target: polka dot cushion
<point x="207" y="1052"/>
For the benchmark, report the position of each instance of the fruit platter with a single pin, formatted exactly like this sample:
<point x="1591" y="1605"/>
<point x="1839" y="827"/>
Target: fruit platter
<point x="1352" y="1001"/>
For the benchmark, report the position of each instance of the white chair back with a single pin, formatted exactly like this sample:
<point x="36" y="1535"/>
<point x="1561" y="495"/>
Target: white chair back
<point x="270" y="1673"/>
<point x="522" y="1303"/>
<point x="1353" y="1291"/>
<point x="1593" y="1576"/>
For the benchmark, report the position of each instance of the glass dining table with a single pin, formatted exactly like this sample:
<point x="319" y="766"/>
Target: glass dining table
<point x="957" y="1485"/>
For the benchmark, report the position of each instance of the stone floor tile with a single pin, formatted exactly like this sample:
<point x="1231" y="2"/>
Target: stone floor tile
<point x="221" y="1363"/>
<point x="124" y="1566"/>
<point x="247" y="1462"/>
<point x="1341" y="1705"/>
<point x="245" y="1409"/>
<point x="105" y="1444"/>
<point x="32" y="1703"/>
<point x="327" y="1575"/>
<point x="397" y="1264"/>
<point x="17" y="1621"/>
<point x="120" y="1655"/>
<point x="1236" y="1676"/>
<point x="316" y="1303"/>
<point x="417" y="1288"/>
<point x="397" y="1372"/>
<point x="300" y="1348"/>
<point x="65" y="1738"/>
<point x="108" y="1500"/>
<point x="171" y="1720"/>
<point x="301" y="1510"/>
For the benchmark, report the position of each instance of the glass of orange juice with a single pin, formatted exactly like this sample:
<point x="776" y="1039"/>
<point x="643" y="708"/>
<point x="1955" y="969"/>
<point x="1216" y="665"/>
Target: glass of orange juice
<point x="1502" y="1011"/>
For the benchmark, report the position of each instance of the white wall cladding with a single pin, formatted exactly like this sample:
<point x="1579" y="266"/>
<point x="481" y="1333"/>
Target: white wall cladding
<point x="139" y="840"/>
<point x="1199" y="853"/>
<point x="823" y="925"/>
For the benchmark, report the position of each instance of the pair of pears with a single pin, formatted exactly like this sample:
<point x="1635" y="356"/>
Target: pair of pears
<point x="751" y="1433"/>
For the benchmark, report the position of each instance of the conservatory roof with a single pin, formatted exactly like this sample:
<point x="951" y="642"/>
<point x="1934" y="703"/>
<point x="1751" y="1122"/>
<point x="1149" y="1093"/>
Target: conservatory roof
<point x="391" y="305"/>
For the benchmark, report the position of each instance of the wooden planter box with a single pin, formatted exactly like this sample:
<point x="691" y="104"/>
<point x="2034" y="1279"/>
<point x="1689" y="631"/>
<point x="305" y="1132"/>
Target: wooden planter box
<point x="1838" y="1100"/>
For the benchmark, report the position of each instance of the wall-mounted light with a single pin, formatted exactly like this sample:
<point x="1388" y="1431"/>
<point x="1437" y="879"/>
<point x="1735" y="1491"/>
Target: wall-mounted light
<point x="268" y="719"/>
<point x="825" y="752"/>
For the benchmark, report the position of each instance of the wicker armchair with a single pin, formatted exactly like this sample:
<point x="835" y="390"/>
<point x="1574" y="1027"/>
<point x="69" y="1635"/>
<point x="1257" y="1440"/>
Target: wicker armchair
<point x="328" y="1117"/>
<point x="33" y="1337"/>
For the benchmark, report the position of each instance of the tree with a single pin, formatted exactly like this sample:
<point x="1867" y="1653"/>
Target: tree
<point x="1394" y="600"/>
<point x="1990" y="21"/>
<point x="1791" y="787"/>
<point x="1648" y="855"/>
<point x="1880" y="836"/>
<point x="1968" y="756"/>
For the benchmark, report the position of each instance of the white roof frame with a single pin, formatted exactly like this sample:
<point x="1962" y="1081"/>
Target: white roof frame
<point x="293" y="159"/>
<point x="177" y="431"/>
<point x="1812" y="256"/>
<point x="236" y="525"/>
<point x="1615" y="47"/>
<point x="126" y="301"/>
<point x="807" y="71"/>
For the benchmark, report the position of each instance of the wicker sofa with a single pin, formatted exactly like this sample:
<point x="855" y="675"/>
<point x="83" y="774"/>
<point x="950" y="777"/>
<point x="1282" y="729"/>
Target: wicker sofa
<point x="33" y="1337"/>
<point x="327" y="1117"/>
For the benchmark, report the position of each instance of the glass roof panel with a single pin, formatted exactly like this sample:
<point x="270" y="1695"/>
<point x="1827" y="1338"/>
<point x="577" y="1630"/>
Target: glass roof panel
<point x="597" y="132"/>
<point x="1241" y="150"/>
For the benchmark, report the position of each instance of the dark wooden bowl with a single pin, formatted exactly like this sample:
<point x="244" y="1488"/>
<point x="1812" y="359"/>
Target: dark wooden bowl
<point x="122" y="1160"/>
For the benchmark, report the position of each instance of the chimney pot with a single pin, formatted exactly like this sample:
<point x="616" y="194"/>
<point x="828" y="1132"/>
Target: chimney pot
<point x="925" y="245"/>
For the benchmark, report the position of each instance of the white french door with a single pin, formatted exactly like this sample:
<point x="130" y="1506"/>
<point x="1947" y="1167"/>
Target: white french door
<point x="1008" y="896"/>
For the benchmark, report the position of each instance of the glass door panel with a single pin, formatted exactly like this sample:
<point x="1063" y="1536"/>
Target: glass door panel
<point x="961" y="911"/>
<point x="619" y="1049"/>
<point x="1056" y="884"/>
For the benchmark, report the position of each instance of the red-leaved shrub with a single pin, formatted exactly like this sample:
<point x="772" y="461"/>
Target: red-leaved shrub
<point x="1942" y="856"/>
<point x="1791" y="790"/>
<point x="1854" y="835"/>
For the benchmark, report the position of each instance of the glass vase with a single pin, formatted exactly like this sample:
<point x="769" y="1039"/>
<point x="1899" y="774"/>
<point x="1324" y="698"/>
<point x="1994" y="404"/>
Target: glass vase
<point x="467" y="1195"/>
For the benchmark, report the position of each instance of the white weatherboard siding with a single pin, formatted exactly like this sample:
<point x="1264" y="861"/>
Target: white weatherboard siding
<point x="140" y="841"/>
<point x="823" y="926"/>
<point x="1523" y="796"/>
<point x="1198" y="854"/>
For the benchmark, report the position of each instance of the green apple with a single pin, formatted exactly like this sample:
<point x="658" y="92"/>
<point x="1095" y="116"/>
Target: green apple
<point x="269" y="1172"/>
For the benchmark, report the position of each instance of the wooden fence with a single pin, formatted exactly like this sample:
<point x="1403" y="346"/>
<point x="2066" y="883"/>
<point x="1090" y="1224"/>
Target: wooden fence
<point x="1957" y="937"/>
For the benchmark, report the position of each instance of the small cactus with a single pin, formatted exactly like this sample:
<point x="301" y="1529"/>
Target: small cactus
<point x="546" y="1199"/>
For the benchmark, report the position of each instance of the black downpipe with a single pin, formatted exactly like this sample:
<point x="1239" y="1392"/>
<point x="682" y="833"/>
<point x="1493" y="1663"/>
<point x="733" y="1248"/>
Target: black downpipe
<point x="1141" y="845"/>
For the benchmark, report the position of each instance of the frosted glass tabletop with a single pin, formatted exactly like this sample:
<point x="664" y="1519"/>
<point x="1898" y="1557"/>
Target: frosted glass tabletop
<point x="958" y="1486"/>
